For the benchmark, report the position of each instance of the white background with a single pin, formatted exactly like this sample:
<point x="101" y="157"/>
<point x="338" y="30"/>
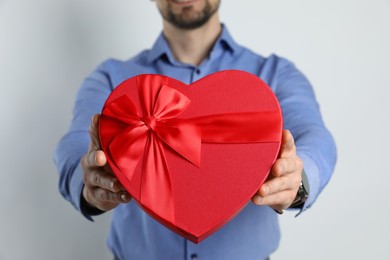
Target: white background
<point x="47" y="47"/>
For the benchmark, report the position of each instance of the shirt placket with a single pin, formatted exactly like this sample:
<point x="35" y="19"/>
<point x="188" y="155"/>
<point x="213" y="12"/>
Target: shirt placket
<point x="191" y="251"/>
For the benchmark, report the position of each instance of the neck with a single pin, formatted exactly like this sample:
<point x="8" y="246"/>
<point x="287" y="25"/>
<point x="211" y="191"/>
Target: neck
<point x="192" y="46"/>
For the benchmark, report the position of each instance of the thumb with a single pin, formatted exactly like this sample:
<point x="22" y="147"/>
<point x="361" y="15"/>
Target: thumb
<point x="288" y="144"/>
<point x="94" y="133"/>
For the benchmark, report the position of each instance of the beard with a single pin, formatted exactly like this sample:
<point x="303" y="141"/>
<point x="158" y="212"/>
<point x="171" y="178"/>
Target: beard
<point x="197" y="20"/>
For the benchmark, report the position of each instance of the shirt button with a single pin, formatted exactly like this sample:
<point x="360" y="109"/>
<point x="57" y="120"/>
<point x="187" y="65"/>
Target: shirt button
<point x="194" y="257"/>
<point x="197" y="71"/>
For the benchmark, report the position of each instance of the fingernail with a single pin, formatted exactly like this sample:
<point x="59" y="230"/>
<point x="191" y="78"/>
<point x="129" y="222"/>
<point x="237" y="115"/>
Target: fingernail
<point x="124" y="197"/>
<point x="111" y="184"/>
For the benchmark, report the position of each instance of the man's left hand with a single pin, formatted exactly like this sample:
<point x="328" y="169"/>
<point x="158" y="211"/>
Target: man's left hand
<point x="281" y="187"/>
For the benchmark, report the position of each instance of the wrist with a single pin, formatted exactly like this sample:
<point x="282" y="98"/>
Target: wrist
<point x="302" y="193"/>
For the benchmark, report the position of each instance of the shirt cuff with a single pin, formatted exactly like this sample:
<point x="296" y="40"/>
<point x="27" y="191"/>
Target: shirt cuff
<point x="313" y="179"/>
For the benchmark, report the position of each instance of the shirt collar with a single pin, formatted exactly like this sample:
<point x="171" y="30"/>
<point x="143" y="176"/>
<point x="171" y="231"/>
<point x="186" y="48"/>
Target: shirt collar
<point x="227" y="40"/>
<point x="161" y="47"/>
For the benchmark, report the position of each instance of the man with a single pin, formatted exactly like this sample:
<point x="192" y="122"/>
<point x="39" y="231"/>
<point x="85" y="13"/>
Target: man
<point x="194" y="44"/>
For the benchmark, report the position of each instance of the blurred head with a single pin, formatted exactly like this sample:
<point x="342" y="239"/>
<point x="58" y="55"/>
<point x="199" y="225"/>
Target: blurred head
<point x="187" y="14"/>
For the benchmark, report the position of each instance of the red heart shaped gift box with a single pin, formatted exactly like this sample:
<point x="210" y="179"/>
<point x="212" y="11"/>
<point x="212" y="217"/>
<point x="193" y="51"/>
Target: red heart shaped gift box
<point x="193" y="155"/>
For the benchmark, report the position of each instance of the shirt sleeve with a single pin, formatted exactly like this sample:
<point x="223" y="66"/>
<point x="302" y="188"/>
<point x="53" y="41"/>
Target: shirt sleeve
<point x="90" y="100"/>
<point x="302" y="116"/>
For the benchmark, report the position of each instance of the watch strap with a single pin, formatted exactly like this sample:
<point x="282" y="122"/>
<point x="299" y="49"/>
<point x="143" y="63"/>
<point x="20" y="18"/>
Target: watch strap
<point x="302" y="194"/>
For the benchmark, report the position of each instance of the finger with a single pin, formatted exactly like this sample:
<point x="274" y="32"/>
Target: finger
<point x="116" y="185"/>
<point x="286" y="182"/>
<point x="112" y="197"/>
<point x="98" y="178"/>
<point x="94" y="132"/>
<point x="95" y="160"/>
<point x="106" y="200"/>
<point x="101" y="161"/>
<point x="284" y="166"/>
<point x="278" y="201"/>
<point x="288" y="144"/>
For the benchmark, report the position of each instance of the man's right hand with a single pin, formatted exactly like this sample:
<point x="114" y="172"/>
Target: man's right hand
<point x="101" y="189"/>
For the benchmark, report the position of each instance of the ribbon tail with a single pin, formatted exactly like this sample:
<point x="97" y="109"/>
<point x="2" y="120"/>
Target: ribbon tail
<point x="127" y="149"/>
<point x="156" y="187"/>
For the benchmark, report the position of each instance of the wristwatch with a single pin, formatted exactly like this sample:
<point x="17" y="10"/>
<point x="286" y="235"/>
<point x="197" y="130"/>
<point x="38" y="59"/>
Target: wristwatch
<point x="302" y="194"/>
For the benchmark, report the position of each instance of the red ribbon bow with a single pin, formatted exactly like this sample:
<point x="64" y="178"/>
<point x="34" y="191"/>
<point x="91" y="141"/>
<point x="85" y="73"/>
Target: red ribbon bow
<point x="149" y="134"/>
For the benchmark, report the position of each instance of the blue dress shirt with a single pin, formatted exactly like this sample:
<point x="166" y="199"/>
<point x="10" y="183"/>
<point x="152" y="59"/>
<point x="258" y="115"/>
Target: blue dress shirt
<point x="254" y="233"/>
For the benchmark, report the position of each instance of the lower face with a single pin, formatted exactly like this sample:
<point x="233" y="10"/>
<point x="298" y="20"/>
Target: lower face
<point x="187" y="14"/>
